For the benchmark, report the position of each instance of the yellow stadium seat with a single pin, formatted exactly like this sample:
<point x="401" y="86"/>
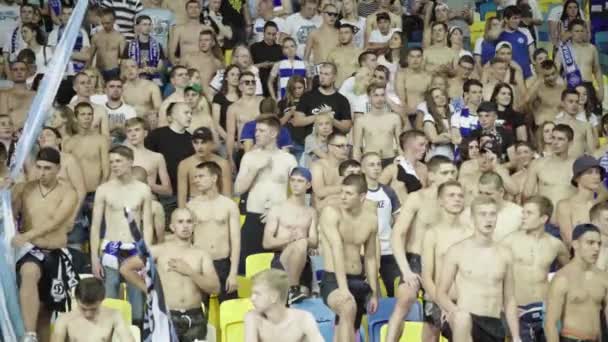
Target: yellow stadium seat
<point x="136" y="333"/>
<point x="490" y="14"/>
<point x="120" y="305"/>
<point x="383" y="292"/>
<point x="244" y="289"/>
<point x="256" y="263"/>
<point x="232" y="315"/>
<point x="412" y="331"/>
<point x="477" y="29"/>
<point x="214" y="312"/>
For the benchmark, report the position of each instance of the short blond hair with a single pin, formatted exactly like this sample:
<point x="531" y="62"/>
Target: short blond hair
<point x="275" y="279"/>
<point x="482" y="200"/>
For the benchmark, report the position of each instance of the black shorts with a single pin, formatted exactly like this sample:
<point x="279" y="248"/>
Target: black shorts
<point x="487" y="329"/>
<point x="47" y="267"/>
<point x="568" y="339"/>
<point x="190" y="325"/>
<point x="305" y="277"/>
<point x="252" y="236"/>
<point x="222" y="268"/>
<point x="432" y="313"/>
<point x="357" y="286"/>
<point x="387" y="161"/>
<point x="415" y="262"/>
<point x="389" y="271"/>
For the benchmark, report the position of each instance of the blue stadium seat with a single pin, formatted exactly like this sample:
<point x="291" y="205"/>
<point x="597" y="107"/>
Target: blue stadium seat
<point x="601" y="41"/>
<point x="381" y="317"/>
<point x="323" y="315"/>
<point x="485" y="8"/>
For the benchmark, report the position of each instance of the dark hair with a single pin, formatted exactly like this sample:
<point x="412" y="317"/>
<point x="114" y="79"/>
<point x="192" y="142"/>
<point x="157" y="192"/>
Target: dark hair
<point x="383" y="69"/>
<point x="207" y="32"/>
<point x="90" y="290"/>
<point x="40" y="36"/>
<point x="547" y="65"/>
<point x="142" y="18"/>
<point x="268" y="106"/>
<point x="575" y="22"/>
<point x="174" y="70"/>
<point x="569" y="91"/>
<point x="108" y="11"/>
<point x="214" y="169"/>
<point x="404" y="137"/>
<point x="137" y="121"/>
<point x="26" y="56"/>
<point x="433" y="110"/>
<point x="52" y="129"/>
<point x="463" y="147"/>
<point x="191" y="2"/>
<point x="357" y="181"/>
<point x="564" y="15"/>
<point x="491" y="177"/>
<point x="224" y="88"/>
<point x="270" y="121"/>
<point x="567" y="130"/>
<point x="497" y="89"/>
<point x="346" y="164"/>
<point x="538" y="52"/>
<point x="466" y="59"/>
<point x="246" y="73"/>
<point x="290" y="98"/>
<point x="270" y="23"/>
<point x="363" y="55"/>
<point x="82" y="105"/>
<point x="466" y="87"/>
<point x="511" y="11"/>
<point x="545" y="207"/>
<point x="445" y="26"/>
<point x="122" y="150"/>
<point x="113" y="78"/>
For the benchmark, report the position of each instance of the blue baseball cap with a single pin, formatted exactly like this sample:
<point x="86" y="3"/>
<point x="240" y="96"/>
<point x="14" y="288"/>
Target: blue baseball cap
<point x="302" y="171"/>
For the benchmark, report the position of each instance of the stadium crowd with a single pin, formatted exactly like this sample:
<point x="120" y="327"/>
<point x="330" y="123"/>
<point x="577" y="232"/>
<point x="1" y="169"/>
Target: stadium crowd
<point x="418" y="150"/>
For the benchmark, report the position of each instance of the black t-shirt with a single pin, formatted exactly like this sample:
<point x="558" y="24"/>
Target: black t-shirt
<point x="504" y="137"/>
<point x="261" y="52"/>
<point x="284" y="107"/>
<point x="174" y="146"/>
<point x="224" y="103"/>
<point x="314" y="102"/>
<point x="512" y="119"/>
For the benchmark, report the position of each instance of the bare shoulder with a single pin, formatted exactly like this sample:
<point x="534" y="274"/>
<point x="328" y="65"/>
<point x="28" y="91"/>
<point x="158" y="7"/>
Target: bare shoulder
<point x="228" y="202"/>
<point x="301" y="315"/>
<point x="455" y="250"/>
<point x="331" y="212"/>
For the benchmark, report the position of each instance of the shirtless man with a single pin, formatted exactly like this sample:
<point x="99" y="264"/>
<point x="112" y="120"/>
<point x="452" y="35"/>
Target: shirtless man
<point x="486" y="162"/>
<point x="107" y="45"/>
<point x="342" y="54"/>
<point x="203" y="144"/>
<point x="179" y="80"/>
<point x="412" y="82"/>
<point x="346" y="230"/>
<point x="217" y="226"/>
<point x="524" y="154"/>
<point x="93" y="159"/>
<point x="291" y="229"/>
<point x="204" y="59"/>
<point x="186" y="273"/>
<point x="109" y="251"/>
<point x="17" y="100"/>
<point x="154" y="163"/>
<point x="326" y="180"/>
<point x="185" y="37"/>
<point x="158" y="213"/>
<point x="89" y="320"/>
<point x="448" y="231"/>
<point x="509" y="214"/>
<point x="83" y="87"/>
<point x="599" y="217"/>
<point x="584" y="140"/>
<point x="264" y="176"/>
<point x="549" y="176"/>
<point x="482" y="272"/>
<point x="243" y="110"/>
<point x="545" y="93"/>
<point x="438" y="55"/>
<point x="179" y="9"/>
<point x="533" y="252"/>
<point x="142" y="94"/>
<point x="324" y="38"/>
<point x="379" y="130"/>
<point x="46" y="207"/>
<point x="585" y="56"/>
<point x="587" y="177"/>
<point x="417" y="215"/>
<point x="270" y="318"/>
<point x="408" y="173"/>
<point x="578" y="292"/>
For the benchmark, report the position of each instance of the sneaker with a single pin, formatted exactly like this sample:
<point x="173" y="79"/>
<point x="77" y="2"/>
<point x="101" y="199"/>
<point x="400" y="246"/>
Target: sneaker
<point x="295" y="295"/>
<point x="30" y="337"/>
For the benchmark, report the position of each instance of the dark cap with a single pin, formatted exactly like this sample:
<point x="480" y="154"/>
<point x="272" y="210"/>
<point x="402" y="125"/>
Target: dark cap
<point x="202" y="133"/>
<point x="584" y="163"/>
<point x="382" y="15"/>
<point x="487" y="106"/>
<point x="490" y="146"/>
<point x="50" y="155"/>
<point x="583" y="228"/>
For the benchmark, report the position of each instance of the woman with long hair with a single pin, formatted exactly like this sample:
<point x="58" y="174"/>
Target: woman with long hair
<point x="544" y="138"/>
<point x="228" y="94"/>
<point x="395" y="55"/>
<point x="588" y="108"/>
<point x="35" y="40"/>
<point x="351" y="16"/>
<point x="436" y="123"/>
<point x="510" y="119"/>
<point x="241" y="57"/>
<point x="63" y="120"/>
<point x="437" y="81"/>
<point x="287" y="108"/>
<point x="456" y="43"/>
<point x="559" y="24"/>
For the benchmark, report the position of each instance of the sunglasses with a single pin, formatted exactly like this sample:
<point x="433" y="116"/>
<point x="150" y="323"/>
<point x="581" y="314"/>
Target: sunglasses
<point x="332" y="14"/>
<point x="342" y="146"/>
<point x="248" y="82"/>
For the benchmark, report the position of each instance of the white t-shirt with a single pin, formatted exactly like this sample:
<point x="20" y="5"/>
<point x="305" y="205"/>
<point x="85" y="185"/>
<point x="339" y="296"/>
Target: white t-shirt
<point x="258" y="27"/>
<point x="9" y="15"/>
<point x="359" y="37"/>
<point x="119" y="115"/>
<point x="377" y="37"/>
<point x="12" y="38"/>
<point x="299" y="28"/>
<point x="387" y="206"/>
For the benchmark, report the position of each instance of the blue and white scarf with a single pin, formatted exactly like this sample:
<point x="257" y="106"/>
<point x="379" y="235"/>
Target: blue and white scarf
<point x="14" y="39"/>
<point x="55" y="6"/>
<point x="572" y="73"/>
<point x="153" y="54"/>
<point x="78" y="65"/>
